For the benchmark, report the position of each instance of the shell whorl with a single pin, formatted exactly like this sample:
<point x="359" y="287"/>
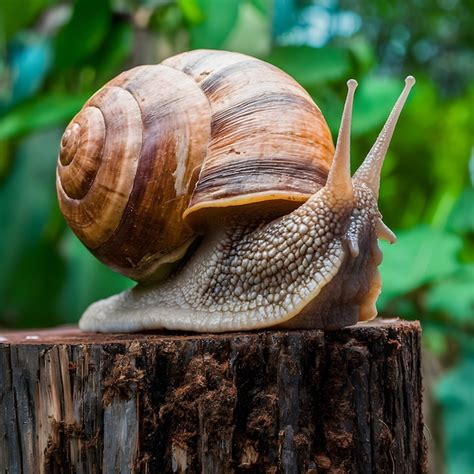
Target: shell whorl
<point x="96" y="173"/>
<point x="202" y="130"/>
<point x="133" y="150"/>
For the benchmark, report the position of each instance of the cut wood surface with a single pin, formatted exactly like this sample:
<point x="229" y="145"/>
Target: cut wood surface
<point x="268" y="401"/>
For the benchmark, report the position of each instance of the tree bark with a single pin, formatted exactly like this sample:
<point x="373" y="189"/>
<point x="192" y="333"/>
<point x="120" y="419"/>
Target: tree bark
<point x="300" y="401"/>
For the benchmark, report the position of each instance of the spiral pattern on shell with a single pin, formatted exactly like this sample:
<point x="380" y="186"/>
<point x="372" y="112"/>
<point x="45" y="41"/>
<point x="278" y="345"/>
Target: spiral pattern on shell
<point x="116" y="159"/>
<point x="95" y="173"/>
<point x="203" y="129"/>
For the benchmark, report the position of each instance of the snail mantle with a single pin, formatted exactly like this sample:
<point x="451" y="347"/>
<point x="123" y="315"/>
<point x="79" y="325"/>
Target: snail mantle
<point x="288" y="401"/>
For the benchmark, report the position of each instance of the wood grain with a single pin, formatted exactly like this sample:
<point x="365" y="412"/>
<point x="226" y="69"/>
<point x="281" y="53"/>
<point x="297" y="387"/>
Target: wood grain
<point x="268" y="401"/>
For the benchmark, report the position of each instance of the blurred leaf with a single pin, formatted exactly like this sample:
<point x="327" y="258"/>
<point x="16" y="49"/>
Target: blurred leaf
<point x="451" y="144"/>
<point x="217" y="23"/>
<point x="455" y="393"/>
<point x="284" y="16"/>
<point x="41" y="112"/>
<point x="442" y="210"/>
<point x="114" y="52"/>
<point x="461" y="218"/>
<point x="421" y="255"/>
<point x="251" y="34"/>
<point x="4" y="158"/>
<point x="87" y="280"/>
<point x="331" y="105"/>
<point x="167" y="21"/>
<point x="430" y="149"/>
<point x="25" y="201"/>
<point x="362" y="51"/>
<point x="84" y="32"/>
<point x="310" y="66"/>
<point x="471" y="167"/>
<point x="30" y="60"/>
<point x="434" y="339"/>
<point x="15" y="15"/>
<point x="454" y="296"/>
<point x="373" y="101"/>
<point x="263" y="6"/>
<point x="191" y="10"/>
<point x="34" y="285"/>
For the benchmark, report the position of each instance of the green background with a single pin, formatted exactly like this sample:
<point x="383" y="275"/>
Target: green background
<point x="54" y="55"/>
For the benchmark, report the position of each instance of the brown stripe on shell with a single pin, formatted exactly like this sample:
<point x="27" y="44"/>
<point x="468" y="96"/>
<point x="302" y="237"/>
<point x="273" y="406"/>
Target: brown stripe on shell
<point x="125" y="196"/>
<point x="249" y="113"/>
<point x="260" y="114"/>
<point x="96" y="215"/>
<point x="244" y="176"/>
<point x="176" y="130"/>
<point x="253" y="77"/>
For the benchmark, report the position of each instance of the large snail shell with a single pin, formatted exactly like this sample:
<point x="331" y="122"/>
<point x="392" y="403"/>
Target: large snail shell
<point x="203" y="132"/>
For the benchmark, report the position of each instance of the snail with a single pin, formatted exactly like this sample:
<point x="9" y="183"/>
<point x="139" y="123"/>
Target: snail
<point x="212" y="180"/>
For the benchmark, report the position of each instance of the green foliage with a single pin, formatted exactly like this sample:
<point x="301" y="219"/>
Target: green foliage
<point x="214" y="24"/>
<point x="251" y="33"/>
<point x="311" y="66"/>
<point x="375" y="98"/>
<point x="456" y="397"/>
<point x="31" y="269"/>
<point x="83" y="34"/>
<point x="417" y="260"/>
<point x="13" y="18"/>
<point x="86" y="279"/>
<point x="55" y="54"/>
<point x="39" y="113"/>
<point x="454" y="296"/>
<point x="30" y="60"/>
<point x="461" y="218"/>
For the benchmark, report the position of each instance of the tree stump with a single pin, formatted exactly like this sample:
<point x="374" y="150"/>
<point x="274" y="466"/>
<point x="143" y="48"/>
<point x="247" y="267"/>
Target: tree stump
<point x="300" y="401"/>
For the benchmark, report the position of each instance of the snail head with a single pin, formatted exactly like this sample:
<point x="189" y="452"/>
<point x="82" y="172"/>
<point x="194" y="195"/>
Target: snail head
<point x="356" y="198"/>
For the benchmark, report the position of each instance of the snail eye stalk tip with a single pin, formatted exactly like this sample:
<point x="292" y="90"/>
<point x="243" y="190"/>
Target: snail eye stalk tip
<point x="370" y="170"/>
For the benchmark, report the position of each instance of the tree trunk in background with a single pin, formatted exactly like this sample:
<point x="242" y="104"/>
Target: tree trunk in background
<point x="268" y="401"/>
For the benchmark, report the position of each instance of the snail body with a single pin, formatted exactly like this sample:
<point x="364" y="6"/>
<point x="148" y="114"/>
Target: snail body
<point x="212" y="180"/>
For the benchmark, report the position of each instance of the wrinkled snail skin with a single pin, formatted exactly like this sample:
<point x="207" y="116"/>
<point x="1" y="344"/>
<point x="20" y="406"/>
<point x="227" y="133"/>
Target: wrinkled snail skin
<point x="249" y="276"/>
<point x="288" y="237"/>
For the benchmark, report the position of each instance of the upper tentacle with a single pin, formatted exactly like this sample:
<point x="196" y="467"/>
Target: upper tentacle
<point x="369" y="171"/>
<point x="339" y="178"/>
